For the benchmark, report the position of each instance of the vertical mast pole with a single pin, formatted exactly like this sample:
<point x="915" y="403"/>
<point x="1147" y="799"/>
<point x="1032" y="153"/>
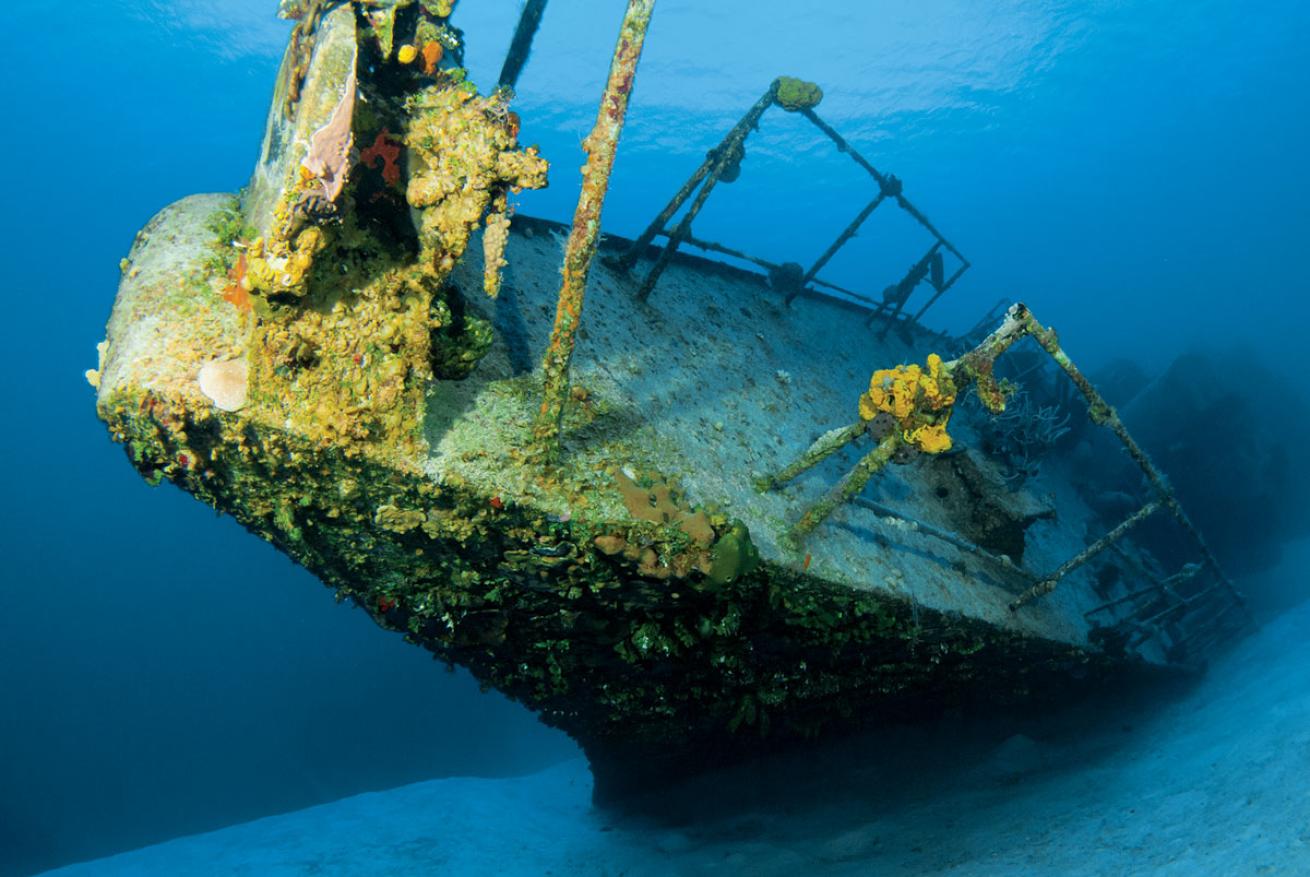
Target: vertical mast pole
<point x="600" y="145"/>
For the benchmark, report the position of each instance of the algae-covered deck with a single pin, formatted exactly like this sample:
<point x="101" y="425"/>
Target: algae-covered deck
<point x="620" y="623"/>
<point x="714" y="382"/>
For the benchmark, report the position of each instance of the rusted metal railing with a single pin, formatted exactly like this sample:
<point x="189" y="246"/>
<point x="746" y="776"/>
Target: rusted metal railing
<point x="723" y="164"/>
<point x="923" y="400"/>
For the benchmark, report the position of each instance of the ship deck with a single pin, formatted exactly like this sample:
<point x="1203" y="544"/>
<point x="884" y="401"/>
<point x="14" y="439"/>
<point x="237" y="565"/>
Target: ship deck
<point x="714" y="382"/>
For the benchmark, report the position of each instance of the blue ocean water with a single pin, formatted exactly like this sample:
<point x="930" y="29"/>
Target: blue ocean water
<point x="1135" y="172"/>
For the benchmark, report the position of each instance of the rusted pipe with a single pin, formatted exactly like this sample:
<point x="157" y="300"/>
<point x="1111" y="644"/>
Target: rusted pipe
<point x="724" y="156"/>
<point x="889" y="186"/>
<point x="850" y="485"/>
<point x="1048" y="584"/>
<point x="821" y="449"/>
<point x="600" y="145"/>
<point x="847" y="233"/>
<point x="715" y="161"/>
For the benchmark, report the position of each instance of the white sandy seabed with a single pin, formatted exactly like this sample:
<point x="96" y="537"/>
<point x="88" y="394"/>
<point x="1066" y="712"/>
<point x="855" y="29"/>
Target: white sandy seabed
<point x="1216" y="781"/>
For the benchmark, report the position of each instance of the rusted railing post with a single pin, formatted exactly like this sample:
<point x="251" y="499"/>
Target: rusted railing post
<point x="846" y="234"/>
<point x="717" y="159"/>
<point x="1049" y="583"/>
<point x="730" y="151"/>
<point x="600" y="145"/>
<point x="889" y="187"/>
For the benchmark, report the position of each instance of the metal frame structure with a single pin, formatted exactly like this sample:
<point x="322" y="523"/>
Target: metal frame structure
<point x="1201" y="593"/>
<point x="722" y="164"/>
<point x="1186" y="612"/>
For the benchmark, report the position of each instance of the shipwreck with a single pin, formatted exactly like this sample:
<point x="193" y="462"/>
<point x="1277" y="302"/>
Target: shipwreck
<point x="672" y="544"/>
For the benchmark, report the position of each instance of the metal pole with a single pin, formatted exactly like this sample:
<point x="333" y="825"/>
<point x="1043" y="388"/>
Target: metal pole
<point x="1019" y="321"/>
<point x="821" y="449"/>
<point x="1047" y="585"/>
<point x="850" y="295"/>
<point x="850" y="484"/>
<point x="918" y="271"/>
<point x="946" y="536"/>
<point x="964" y="266"/>
<point x="633" y="253"/>
<point x="847" y="234"/>
<point x="712" y="247"/>
<point x="891" y="186"/>
<point x="712" y="160"/>
<point x="1188" y="572"/>
<point x="843" y="146"/>
<point x="521" y="45"/>
<point x="726" y="154"/>
<point x="601" y="145"/>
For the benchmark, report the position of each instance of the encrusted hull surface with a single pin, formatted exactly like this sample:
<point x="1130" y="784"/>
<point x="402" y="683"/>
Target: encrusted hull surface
<point x="530" y="580"/>
<point x="319" y="360"/>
